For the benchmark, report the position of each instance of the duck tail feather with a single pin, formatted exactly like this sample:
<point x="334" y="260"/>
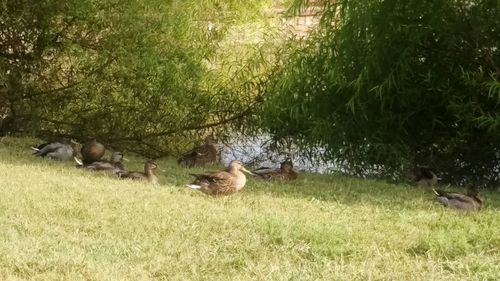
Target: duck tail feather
<point x="438" y="192"/>
<point x="78" y="161"/>
<point x="193" y="186"/>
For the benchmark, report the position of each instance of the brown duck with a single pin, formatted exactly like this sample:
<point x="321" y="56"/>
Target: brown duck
<point x="92" y="152"/>
<point x="464" y="202"/>
<point x="284" y="172"/>
<point x="200" y="155"/>
<point x="148" y="174"/>
<point x="222" y="183"/>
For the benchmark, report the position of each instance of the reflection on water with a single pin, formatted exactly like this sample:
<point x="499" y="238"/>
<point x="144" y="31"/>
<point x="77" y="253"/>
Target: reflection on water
<point x="256" y="152"/>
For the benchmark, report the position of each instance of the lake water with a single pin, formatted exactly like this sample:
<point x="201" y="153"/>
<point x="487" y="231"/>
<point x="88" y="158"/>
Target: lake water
<point x="255" y="152"/>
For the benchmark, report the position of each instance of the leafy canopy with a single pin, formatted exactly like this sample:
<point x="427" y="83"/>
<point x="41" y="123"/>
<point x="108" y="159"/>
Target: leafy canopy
<point x="134" y="74"/>
<point x="384" y="85"/>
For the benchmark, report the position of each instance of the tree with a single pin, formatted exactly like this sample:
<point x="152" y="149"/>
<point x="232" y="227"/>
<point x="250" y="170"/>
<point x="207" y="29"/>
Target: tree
<point x="133" y="74"/>
<point x="385" y="85"/>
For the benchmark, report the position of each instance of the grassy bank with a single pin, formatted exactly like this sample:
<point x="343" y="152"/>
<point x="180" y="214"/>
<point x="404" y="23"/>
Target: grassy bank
<point x="60" y="223"/>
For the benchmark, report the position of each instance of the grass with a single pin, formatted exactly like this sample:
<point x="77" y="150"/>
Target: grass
<point x="60" y="223"/>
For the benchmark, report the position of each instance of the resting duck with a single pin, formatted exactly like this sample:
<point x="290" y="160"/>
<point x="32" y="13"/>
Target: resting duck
<point x="59" y="150"/>
<point x="200" y="155"/>
<point x="425" y="176"/>
<point x="222" y="183"/>
<point x="148" y="174"/>
<point x="113" y="165"/>
<point x="285" y="172"/>
<point x="92" y="152"/>
<point x="469" y="202"/>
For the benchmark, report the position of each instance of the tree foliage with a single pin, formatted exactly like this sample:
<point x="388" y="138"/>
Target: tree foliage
<point x="133" y="74"/>
<point x="385" y="85"/>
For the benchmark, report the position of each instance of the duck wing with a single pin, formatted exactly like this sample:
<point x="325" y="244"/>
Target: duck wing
<point x="39" y="147"/>
<point x="453" y="196"/>
<point x="263" y="170"/>
<point x="48" y="148"/>
<point x="215" y="177"/>
<point x="63" y="153"/>
<point x="132" y="175"/>
<point x="219" y="183"/>
<point x="270" y="173"/>
<point x="119" y="166"/>
<point x="457" y="200"/>
<point x="101" y="166"/>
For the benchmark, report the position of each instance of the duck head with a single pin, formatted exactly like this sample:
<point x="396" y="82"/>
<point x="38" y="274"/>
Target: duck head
<point x="150" y="166"/>
<point x="210" y="139"/>
<point x="424" y="176"/>
<point x="237" y="165"/>
<point x="286" y="165"/>
<point x="116" y="157"/>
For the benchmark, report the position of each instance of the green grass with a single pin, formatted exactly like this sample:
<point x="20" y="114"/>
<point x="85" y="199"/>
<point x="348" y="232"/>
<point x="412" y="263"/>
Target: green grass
<point x="60" y="223"/>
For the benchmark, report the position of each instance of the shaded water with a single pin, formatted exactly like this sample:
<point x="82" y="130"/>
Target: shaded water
<point x="256" y="152"/>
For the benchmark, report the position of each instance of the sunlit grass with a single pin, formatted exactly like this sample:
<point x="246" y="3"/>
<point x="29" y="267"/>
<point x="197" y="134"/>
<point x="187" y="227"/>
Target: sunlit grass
<point x="61" y="223"/>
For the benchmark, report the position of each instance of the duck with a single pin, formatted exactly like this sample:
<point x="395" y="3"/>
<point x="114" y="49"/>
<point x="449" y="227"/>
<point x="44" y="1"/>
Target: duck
<point x="200" y="155"/>
<point x="148" y="174"/>
<point x="284" y="172"/>
<point x="92" y="152"/>
<point x="113" y="165"/>
<point x="425" y="176"/>
<point x="225" y="182"/>
<point x="464" y="202"/>
<point x="62" y="150"/>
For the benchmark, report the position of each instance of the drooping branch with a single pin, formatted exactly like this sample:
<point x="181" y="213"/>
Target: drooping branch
<point x="192" y="127"/>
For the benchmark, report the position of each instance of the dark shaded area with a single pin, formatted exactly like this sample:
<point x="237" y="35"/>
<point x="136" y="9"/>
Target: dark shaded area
<point x="387" y="85"/>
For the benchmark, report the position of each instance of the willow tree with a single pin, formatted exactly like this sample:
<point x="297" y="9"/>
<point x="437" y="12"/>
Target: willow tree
<point x="131" y="73"/>
<point x="385" y="85"/>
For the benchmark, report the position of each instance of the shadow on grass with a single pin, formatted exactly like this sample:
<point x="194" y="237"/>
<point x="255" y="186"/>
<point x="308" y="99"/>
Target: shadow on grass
<point x="351" y="191"/>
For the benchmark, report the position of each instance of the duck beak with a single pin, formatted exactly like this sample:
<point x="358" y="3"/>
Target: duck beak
<point x="125" y="159"/>
<point x="247" y="171"/>
<point x="73" y="141"/>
